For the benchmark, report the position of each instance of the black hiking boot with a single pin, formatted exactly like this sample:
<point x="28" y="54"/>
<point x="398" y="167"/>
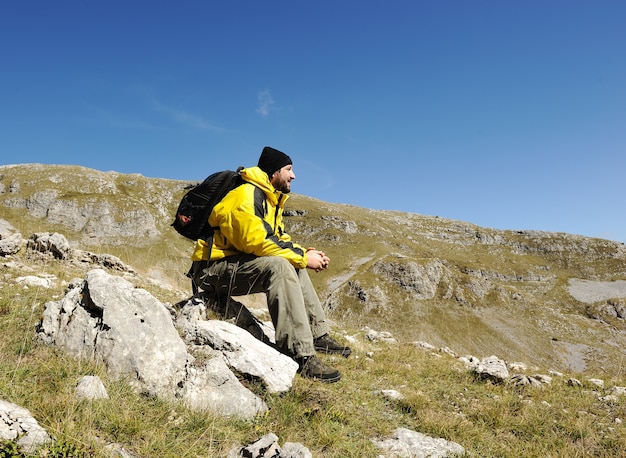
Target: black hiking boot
<point x="311" y="367"/>
<point x="326" y="344"/>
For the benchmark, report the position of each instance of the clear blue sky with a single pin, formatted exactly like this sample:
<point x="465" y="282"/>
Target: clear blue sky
<point x="506" y="114"/>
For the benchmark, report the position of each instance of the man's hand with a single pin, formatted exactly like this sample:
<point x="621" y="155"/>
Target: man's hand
<point x="316" y="260"/>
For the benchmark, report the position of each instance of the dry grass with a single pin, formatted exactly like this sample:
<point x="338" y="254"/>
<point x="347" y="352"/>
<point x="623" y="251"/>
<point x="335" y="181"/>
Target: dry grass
<point x="441" y="399"/>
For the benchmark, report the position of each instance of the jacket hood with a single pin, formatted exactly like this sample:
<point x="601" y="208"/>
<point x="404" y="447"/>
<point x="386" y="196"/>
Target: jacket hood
<point x="259" y="178"/>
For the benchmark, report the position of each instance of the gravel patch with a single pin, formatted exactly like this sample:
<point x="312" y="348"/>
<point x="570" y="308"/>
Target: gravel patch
<point x="589" y="292"/>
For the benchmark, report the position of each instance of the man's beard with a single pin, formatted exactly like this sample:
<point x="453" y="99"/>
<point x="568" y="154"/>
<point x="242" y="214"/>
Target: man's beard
<point x="283" y="186"/>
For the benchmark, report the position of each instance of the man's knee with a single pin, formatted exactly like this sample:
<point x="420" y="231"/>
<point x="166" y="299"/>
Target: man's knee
<point x="280" y="266"/>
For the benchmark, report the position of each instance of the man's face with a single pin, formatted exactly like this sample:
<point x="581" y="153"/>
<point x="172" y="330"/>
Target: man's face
<point x="281" y="179"/>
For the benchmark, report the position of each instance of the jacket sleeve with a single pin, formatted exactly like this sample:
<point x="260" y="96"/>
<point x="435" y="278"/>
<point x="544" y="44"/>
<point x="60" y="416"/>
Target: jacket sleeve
<point x="243" y="218"/>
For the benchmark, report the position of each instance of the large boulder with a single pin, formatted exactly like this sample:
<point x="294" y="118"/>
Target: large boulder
<point x="105" y="318"/>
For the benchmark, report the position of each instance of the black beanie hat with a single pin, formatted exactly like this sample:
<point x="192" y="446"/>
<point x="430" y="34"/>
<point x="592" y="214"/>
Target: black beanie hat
<point x="271" y="160"/>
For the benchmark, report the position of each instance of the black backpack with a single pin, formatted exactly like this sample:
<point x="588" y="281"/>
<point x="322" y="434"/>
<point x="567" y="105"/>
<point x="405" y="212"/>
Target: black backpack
<point x="192" y="215"/>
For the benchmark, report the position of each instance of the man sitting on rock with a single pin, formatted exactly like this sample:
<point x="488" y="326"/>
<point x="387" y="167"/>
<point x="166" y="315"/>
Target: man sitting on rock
<point x="251" y="253"/>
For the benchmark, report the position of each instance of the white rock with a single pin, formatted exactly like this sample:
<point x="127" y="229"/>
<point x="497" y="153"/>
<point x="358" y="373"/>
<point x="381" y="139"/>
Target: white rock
<point x="91" y="387"/>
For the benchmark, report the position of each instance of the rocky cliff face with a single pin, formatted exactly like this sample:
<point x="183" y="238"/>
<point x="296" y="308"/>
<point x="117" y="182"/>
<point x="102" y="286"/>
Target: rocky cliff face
<point x="107" y="207"/>
<point x="550" y="298"/>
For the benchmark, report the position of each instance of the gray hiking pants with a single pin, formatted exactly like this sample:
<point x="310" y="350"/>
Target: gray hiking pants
<point x="293" y="304"/>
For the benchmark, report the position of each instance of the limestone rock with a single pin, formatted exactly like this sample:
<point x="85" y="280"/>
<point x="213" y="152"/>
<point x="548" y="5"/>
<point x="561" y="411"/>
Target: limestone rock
<point x="211" y="385"/>
<point x="10" y="239"/>
<point x="420" y="280"/>
<point x="109" y="320"/>
<point x="17" y="423"/>
<point x="91" y="387"/>
<point x="49" y="242"/>
<point x="105" y="318"/>
<point x="405" y="443"/>
<point x="493" y="368"/>
<point x="267" y="447"/>
<point x="44" y="281"/>
<point x="246" y="354"/>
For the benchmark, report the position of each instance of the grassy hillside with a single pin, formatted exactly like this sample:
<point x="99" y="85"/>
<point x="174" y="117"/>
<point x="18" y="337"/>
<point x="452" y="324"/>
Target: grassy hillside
<point x="440" y="398"/>
<point x="473" y="290"/>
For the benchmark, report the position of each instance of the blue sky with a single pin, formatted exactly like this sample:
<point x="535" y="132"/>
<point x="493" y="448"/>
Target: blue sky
<point x="505" y="114"/>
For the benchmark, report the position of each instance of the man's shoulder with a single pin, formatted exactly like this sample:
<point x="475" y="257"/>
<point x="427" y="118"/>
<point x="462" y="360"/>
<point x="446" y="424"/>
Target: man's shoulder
<point x="245" y="192"/>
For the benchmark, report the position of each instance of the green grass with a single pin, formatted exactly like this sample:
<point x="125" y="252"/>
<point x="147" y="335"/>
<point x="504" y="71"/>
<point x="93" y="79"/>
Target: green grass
<point x="441" y="399"/>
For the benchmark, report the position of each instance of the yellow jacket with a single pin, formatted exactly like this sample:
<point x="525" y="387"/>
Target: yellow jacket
<point x="250" y="220"/>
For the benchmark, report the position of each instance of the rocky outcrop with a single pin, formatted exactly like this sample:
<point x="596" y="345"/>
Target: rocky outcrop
<point x="53" y="243"/>
<point x="419" y="280"/>
<point x="106" y="206"/>
<point x="210" y="385"/>
<point x="56" y="246"/>
<point x="105" y="318"/>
